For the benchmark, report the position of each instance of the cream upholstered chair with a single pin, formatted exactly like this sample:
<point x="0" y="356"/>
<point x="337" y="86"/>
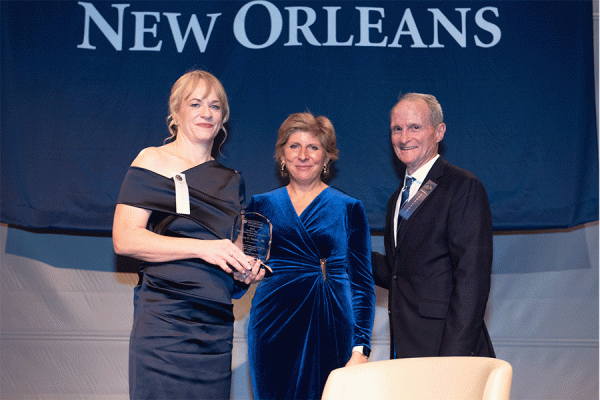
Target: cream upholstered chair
<point x="443" y="378"/>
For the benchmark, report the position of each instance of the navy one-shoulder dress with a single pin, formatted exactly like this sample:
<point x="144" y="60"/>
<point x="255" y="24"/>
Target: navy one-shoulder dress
<point x="182" y="334"/>
<point x="320" y="300"/>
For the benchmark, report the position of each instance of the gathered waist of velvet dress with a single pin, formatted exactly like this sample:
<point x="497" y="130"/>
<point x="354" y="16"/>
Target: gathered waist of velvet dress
<point x="333" y="266"/>
<point x="194" y="278"/>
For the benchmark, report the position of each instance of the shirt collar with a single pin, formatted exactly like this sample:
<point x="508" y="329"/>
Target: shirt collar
<point x="422" y="172"/>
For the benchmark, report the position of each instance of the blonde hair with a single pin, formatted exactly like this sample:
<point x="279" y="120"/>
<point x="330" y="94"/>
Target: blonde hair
<point x="185" y="86"/>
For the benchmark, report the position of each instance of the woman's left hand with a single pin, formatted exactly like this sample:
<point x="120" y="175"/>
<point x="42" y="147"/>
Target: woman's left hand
<point x="356" y="358"/>
<point x="252" y="276"/>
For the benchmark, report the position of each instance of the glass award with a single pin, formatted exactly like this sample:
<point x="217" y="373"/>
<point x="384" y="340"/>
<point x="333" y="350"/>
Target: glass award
<point x="252" y="232"/>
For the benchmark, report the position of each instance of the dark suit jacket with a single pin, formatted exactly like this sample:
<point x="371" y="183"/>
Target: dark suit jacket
<point x="439" y="275"/>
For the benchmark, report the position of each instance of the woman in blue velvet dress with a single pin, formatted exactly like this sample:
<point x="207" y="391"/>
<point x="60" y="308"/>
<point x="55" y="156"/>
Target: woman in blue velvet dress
<point x="176" y="212"/>
<point x="315" y="313"/>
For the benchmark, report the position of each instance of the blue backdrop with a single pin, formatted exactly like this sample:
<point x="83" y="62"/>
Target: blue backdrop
<point x="85" y="87"/>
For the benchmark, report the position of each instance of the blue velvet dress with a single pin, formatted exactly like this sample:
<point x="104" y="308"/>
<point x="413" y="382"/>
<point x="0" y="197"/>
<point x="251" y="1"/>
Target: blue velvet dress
<point x="182" y="334"/>
<point x="306" y="318"/>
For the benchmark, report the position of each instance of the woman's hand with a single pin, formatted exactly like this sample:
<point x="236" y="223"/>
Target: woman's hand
<point x="226" y="255"/>
<point x="252" y="276"/>
<point x="357" y="358"/>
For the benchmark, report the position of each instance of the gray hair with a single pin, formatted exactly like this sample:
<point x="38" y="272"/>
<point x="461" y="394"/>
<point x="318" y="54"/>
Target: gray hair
<point x="436" y="116"/>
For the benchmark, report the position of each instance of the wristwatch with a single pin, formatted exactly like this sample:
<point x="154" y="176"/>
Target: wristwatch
<point x="366" y="351"/>
<point x="362" y="349"/>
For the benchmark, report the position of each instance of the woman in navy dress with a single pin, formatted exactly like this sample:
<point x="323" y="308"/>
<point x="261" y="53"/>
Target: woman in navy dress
<point x="315" y="313"/>
<point x="175" y="212"/>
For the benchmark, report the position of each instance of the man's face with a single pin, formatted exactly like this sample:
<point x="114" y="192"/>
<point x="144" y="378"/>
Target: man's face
<point x="414" y="138"/>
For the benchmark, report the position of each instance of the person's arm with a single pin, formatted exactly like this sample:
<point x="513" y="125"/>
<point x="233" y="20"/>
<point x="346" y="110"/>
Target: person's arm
<point x="132" y="239"/>
<point x="361" y="275"/>
<point x="470" y="246"/>
<point x="381" y="271"/>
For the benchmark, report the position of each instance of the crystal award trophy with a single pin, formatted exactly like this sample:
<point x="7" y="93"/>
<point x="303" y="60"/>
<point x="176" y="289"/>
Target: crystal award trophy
<point x="252" y="232"/>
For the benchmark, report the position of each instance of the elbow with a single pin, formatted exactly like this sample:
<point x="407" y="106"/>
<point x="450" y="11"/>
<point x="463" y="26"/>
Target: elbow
<point x="120" y="245"/>
<point x="118" y="248"/>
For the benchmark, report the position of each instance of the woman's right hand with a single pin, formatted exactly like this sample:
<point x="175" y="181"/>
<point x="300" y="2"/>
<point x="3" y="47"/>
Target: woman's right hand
<point x="225" y="254"/>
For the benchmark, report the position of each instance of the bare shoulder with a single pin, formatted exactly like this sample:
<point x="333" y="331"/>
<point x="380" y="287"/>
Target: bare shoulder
<point x="151" y="158"/>
<point x="146" y="157"/>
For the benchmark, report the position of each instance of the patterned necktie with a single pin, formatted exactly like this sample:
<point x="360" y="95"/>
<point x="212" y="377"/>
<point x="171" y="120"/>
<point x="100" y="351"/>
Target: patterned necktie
<point x="406" y="191"/>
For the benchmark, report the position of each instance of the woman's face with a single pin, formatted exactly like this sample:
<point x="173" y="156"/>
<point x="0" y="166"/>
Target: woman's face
<point x="304" y="157"/>
<point x="199" y="117"/>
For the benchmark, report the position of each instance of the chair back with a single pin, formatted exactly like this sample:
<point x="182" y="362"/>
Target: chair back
<point x="426" y="378"/>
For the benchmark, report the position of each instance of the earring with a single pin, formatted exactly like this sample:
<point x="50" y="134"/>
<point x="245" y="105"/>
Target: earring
<point x="282" y="167"/>
<point x="325" y="170"/>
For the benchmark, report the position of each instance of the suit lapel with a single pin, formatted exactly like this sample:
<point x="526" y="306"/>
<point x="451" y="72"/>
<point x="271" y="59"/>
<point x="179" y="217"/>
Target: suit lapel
<point x="390" y="244"/>
<point x="436" y="171"/>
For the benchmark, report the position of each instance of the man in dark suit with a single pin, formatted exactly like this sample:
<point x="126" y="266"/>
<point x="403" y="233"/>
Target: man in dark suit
<point x="438" y="243"/>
